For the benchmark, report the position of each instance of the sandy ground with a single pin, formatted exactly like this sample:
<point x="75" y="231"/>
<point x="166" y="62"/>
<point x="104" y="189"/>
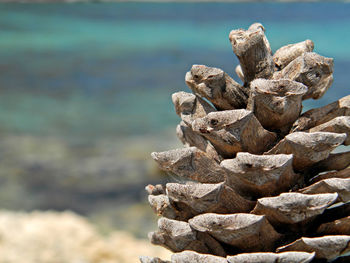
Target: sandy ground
<point x="53" y="237"/>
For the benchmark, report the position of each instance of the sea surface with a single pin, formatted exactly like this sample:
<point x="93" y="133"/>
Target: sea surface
<point x="85" y="91"/>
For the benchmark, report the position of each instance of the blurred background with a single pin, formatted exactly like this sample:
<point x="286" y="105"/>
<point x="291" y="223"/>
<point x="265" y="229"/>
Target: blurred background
<point x="85" y="96"/>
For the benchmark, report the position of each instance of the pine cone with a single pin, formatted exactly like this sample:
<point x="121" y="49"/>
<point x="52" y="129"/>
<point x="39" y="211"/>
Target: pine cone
<point x="260" y="181"/>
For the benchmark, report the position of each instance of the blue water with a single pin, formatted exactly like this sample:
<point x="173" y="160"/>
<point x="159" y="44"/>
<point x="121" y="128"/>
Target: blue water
<point x="93" y="70"/>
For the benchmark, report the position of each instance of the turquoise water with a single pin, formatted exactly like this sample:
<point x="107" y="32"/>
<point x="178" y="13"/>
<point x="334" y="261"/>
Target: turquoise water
<point x="90" y="70"/>
<point x="85" y="92"/>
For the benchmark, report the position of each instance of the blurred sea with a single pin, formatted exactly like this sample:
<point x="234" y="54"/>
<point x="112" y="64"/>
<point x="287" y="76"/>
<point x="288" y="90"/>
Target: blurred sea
<point x="85" y="92"/>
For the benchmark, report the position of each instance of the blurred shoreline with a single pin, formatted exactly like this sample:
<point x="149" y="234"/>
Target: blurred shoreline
<point x="164" y="1"/>
<point x="86" y="93"/>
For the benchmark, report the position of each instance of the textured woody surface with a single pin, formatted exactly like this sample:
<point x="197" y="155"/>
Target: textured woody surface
<point x="205" y="198"/>
<point x="216" y="86"/>
<point x="190" y="138"/>
<point x="337" y="227"/>
<point x="190" y="107"/>
<point x="239" y="72"/>
<point x="288" y="53"/>
<point x="144" y="259"/>
<point x="328" y="247"/>
<point x="276" y="103"/>
<point x="318" y="116"/>
<point x="336" y="161"/>
<point x="253" y="52"/>
<point x="260" y="175"/>
<point x="234" y="131"/>
<point x="292" y="208"/>
<point x="338" y="174"/>
<point x="178" y="236"/>
<point x="332" y="185"/>
<point x="157" y="189"/>
<point x="285" y="257"/>
<point x="337" y="125"/>
<point x="311" y="69"/>
<point x="257" y="175"/>
<point x="258" y="26"/>
<point x="308" y="148"/>
<point x="190" y="163"/>
<point x="244" y="231"/>
<point x="161" y="206"/>
<point x="193" y="257"/>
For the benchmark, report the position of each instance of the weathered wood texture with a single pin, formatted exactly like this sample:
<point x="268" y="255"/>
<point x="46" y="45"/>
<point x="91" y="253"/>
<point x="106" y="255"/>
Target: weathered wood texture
<point x="337" y="125"/>
<point x="315" y="117"/>
<point x="239" y="72"/>
<point x="157" y="189"/>
<point x="337" y="227"/>
<point x="193" y="257"/>
<point x="209" y="198"/>
<point x="144" y="259"/>
<point x="161" y="206"/>
<point x="336" y="161"/>
<point x="288" y="53"/>
<point x="308" y="148"/>
<point x="311" y="69"/>
<point x="337" y="174"/>
<point x="276" y="103"/>
<point x="293" y="208"/>
<point x="257" y="175"/>
<point x="333" y="185"/>
<point x="285" y="257"/>
<point x="190" y="163"/>
<point x="216" y="86"/>
<point x="190" y="138"/>
<point x="234" y="131"/>
<point x="253" y="52"/>
<point x="244" y="231"/>
<point x="190" y="107"/>
<point x="327" y="247"/>
<point x="179" y="236"/>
